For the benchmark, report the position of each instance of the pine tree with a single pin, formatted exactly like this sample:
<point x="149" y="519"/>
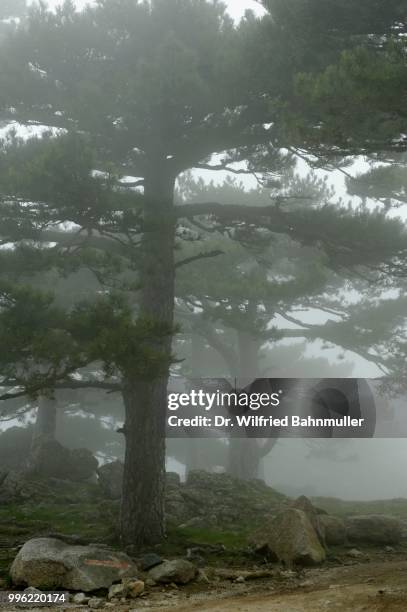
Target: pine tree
<point x="148" y="91"/>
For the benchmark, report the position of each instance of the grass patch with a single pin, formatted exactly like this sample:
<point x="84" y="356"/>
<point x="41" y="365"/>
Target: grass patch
<point x="235" y="544"/>
<point x="393" y="507"/>
<point x="86" y="520"/>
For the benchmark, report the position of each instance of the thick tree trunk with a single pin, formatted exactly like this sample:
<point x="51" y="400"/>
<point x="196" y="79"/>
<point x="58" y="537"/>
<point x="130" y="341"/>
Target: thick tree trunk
<point x="46" y="421"/>
<point x="44" y="427"/>
<point x="244" y="458"/>
<point x="192" y="450"/>
<point x="142" y="509"/>
<point x="245" y="455"/>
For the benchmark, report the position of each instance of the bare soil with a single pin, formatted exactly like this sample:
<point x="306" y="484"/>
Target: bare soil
<point x="367" y="587"/>
<point x="375" y="586"/>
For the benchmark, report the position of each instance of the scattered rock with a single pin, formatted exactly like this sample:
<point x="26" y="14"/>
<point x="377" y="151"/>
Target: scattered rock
<point x="96" y="603"/>
<point x="389" y="549"/>
<point x="193" y="555"/>
<point x="240" y="580"/>
<point x="287" y="574"/>
<point x="201" y="577"/>
<point x="32" y="591"/>
<point x="172" y="479"/>
<point x="355" y="553"/>
<point x="50" y="459"/>
<point x="150" y="582"/>
<point x="178" y="571"/>
<point x="230" y="574"/>
<point x="148" y="561"/>
<point x="117" y="590"/>
<point x="110" y="478"/>
<point x="307" y="583"/>
<point x="335" y="529"/>
<point x="213" y="500"/>
<point x="374" y="529"/>
<point x="49" y="563"/>
<point x="134" y="587"/>
<point x="292" y="538"/>
<point x="80" y="599"/>
<point x="196" y="522"/>
<point x="15" y="486"/>
<point x="15" y="444"/>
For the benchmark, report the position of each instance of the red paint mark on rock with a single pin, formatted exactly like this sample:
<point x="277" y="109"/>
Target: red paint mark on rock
<point x="113" y="562"/>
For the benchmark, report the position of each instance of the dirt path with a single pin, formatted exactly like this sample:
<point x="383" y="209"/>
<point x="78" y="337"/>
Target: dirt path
<point x="366" y="587"/>
<point x="371" y="587"/>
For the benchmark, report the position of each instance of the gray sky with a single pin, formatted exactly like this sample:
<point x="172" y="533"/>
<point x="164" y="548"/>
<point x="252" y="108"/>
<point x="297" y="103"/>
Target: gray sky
<point x="235" y="7"/>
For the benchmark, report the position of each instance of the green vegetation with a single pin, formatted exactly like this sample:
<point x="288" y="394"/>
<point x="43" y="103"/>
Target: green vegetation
<point x="393" y="507"/>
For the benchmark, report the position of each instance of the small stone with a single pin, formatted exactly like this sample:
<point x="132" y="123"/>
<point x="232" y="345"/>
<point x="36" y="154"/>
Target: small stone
<point x="148" y="561"/>
<point x="150" y="582"/>
<point x="240" y="580"/>
<point x="80" y="599"/>
<point x="389" y="549"/>
<point x="355" y="553"/>
<point x="32" y="591"/>
<point x="178" y="571"/>
<point x="195" y="557"/>
<point x="134" y="588"/>
<point x="96" y="603"/>
<point x="117" y="590"/>
<point x="287" y="574"/>
<point x="202" y="577"/>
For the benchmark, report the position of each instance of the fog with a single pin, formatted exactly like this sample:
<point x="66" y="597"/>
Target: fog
<point x="194" y="204"/>
<point x="236" y="8"/>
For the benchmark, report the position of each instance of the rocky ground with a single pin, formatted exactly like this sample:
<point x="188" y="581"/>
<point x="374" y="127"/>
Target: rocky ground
<point x="231" y="545"/>
<point x="367" y="586"/>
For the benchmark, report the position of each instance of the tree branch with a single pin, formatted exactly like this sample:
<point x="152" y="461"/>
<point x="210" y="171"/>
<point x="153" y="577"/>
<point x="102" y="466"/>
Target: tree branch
<point x="67" y="384"/>
<point x="224" y="167"/>
<point x="189" y="260"/>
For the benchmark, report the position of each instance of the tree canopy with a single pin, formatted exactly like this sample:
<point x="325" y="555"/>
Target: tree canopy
<point x="121" y="99"/>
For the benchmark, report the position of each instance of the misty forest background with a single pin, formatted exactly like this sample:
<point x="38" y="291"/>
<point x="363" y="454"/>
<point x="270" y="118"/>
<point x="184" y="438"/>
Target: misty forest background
<point x="185" y="194"/>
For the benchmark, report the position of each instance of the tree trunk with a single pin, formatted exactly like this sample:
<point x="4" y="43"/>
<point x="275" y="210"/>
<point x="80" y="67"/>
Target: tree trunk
<point x="145" y="400"/>
<point x="44" y="428"/>
<point x="245" y="453"/>
<point x="192" y="450"/>
<point x="244" y="458"/>
<point x="46" y="421"/>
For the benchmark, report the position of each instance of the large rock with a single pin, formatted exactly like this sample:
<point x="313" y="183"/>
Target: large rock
<point x="110" y="477"/>
<point x="292" y="539"/>
<point x="17" y="486"/>
<point x="374" y="529"/>
<point x="172" y="479"/>
<point x="178" y="571"/>
<point x="304" y="504"/>
<point x="48" y="563"/>
<point x="15" y="444"/>
<point x="334" y="528"/>
<point x="52" y="460"/>
<point x="224" y="501"/>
